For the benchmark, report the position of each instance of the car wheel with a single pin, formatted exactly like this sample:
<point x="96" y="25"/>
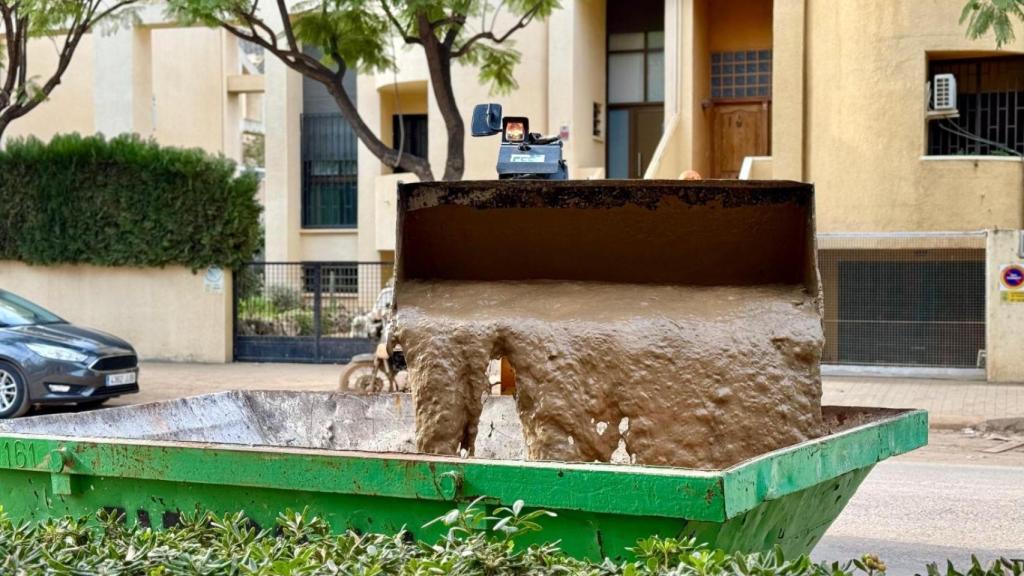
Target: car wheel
<point x="14" y="400"/>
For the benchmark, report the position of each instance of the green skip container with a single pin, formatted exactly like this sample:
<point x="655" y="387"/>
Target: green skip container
<point x="351" y="459"/>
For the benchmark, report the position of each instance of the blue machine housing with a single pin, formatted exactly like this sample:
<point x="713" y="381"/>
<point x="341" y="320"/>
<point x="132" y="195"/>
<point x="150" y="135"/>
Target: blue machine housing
<point x="534" y="161"/>
<point x="522" y="155"/>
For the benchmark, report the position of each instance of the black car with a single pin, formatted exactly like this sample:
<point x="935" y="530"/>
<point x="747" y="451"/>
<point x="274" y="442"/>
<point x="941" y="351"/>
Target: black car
<point x="45" y="360"/>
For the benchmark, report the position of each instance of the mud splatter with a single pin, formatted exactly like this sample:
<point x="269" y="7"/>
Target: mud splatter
<point x="697" y="377"/>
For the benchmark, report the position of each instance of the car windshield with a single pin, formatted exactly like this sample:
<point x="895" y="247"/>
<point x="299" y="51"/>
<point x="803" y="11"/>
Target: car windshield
<point x="16" y="311"/>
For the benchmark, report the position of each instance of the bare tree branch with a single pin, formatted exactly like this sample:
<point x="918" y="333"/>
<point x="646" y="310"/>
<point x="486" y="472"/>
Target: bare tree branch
<point x="402" y="30"/>
<point x="95" y="19"/>
<point x="22" y="24"/>
<point x="12" y="54"/>
<point x="523" y="22"/>
<point x="332" y="80"/>
<point x="497" y="11"/>
<point x="286" y="24"/>
<point x="455" y="26"/>
<point x="254" y="23"/>
<point x="16" y="96"/>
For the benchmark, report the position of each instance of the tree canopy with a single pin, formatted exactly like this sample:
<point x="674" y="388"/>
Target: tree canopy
<point x="357" y="36"/>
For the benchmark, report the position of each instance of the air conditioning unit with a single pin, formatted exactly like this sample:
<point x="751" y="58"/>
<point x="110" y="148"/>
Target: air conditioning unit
<point x="943" y="93"/>
<point x="941" y="97"/>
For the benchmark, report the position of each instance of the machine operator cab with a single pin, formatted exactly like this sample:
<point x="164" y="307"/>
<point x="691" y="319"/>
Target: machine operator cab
<point x="523" y="155"/>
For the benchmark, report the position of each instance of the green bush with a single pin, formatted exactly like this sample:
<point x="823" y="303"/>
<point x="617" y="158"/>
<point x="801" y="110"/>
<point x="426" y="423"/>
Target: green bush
<point x="284" y="297"/>
<point x="256" y="307"/>
<point x="248" y="281"/>
<point x="124" y="202"/>
<point x="475" y="544"/>
<point x="304" y="321"/>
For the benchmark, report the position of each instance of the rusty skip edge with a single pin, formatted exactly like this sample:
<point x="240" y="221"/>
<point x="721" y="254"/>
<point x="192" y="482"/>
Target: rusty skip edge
<point x="598" y="193"/>
<point x="700" y="495"/>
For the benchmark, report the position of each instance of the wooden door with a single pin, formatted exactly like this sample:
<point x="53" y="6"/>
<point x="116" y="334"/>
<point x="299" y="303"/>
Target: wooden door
<point x="738" y="131"/>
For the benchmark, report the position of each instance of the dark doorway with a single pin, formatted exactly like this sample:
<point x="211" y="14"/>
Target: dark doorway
<point x="414" y="127"/>
<point x="633" y="135"/>
<point x="636" y="85"/>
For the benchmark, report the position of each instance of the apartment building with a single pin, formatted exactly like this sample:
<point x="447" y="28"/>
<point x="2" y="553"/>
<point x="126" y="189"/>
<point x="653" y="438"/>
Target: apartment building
<point x="840" y="94"/>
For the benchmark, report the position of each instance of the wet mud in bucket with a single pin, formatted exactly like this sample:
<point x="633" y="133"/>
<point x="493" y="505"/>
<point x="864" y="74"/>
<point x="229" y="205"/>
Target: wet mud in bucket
<point x="668" y="323"/>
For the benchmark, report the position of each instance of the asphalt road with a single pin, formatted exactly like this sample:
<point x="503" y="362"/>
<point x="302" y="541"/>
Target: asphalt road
<point x="913" y="513"/>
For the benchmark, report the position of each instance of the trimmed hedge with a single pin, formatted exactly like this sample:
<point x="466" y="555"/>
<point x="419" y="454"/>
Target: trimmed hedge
<point x="476" y="544"/>
<point x="124" y="202"/>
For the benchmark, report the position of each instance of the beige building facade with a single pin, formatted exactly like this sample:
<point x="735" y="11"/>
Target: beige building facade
<point x="182" y="86"/>
<point x="837" y="93"/>
<point x="833" y="93"/>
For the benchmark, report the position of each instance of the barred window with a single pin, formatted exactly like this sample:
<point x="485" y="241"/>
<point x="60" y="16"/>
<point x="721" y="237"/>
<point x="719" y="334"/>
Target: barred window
<point x="990" y="100"/>
<point x="334" y="278"/>
<point x="329" y="172"/>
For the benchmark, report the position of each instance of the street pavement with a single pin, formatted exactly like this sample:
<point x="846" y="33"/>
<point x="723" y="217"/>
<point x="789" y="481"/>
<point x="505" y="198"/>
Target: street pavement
<point x="950" y="403"/>
<point x="911" y="513"/>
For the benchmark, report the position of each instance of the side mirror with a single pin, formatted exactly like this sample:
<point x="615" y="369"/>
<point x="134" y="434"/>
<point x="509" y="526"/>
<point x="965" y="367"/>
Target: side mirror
<point x="486" y="119"/>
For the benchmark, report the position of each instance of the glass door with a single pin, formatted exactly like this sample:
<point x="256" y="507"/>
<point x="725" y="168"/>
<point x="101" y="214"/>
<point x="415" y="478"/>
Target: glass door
<point x="636" y="90"/>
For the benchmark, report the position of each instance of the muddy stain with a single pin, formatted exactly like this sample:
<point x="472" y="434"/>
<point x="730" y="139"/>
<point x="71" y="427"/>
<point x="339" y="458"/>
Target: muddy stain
<point x="698" y="377"/>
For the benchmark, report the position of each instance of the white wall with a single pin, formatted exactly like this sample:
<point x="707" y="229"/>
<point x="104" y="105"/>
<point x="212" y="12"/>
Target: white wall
<point x="1004" y="319"/>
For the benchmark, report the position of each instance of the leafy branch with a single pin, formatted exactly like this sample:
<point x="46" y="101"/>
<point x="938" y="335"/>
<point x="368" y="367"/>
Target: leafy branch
<point x="356" y="36"/>
<point x="997" y="16"/>
<point x="66" y="21"/>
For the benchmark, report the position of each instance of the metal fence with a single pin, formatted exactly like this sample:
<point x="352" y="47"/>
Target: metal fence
<point x="913" y="300"/>
<point x="307" y="311"/>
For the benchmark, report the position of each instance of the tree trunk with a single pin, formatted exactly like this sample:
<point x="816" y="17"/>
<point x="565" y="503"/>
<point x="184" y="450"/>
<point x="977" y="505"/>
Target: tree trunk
<point x="439" y="63"/>
<point x="389" y="156"/>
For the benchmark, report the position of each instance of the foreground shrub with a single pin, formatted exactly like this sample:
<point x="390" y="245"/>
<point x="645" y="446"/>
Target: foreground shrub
<point x="475" y="544"/>
<point x="124" y="202"/>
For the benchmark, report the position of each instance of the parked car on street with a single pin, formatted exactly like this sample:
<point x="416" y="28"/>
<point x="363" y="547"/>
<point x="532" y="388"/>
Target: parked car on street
<point x="46" y="360"/>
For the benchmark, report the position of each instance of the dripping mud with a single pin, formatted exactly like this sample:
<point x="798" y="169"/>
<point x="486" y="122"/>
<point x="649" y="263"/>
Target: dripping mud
<point x="696" y="377"/>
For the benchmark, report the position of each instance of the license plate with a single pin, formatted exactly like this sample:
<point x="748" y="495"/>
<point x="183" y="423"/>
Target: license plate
<point x="121" y="379"/>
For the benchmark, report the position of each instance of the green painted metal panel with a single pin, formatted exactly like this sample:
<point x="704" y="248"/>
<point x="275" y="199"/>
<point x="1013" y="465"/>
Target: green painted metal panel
<point x="788" y="497"/>
<point x="584" y="487"/>
<point x="789" y="470"/>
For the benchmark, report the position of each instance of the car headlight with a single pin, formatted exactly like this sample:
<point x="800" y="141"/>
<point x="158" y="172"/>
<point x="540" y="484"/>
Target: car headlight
<point x="57" y="352"/>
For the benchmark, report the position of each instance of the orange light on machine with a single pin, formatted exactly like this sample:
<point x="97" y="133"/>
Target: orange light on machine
<point x="515" y="131"/>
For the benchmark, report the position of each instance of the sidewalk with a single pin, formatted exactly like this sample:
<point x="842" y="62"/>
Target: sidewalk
<point x="950" y="403"/>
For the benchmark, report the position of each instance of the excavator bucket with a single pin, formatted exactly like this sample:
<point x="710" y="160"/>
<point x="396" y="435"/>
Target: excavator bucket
<point x="664" y="322"/>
